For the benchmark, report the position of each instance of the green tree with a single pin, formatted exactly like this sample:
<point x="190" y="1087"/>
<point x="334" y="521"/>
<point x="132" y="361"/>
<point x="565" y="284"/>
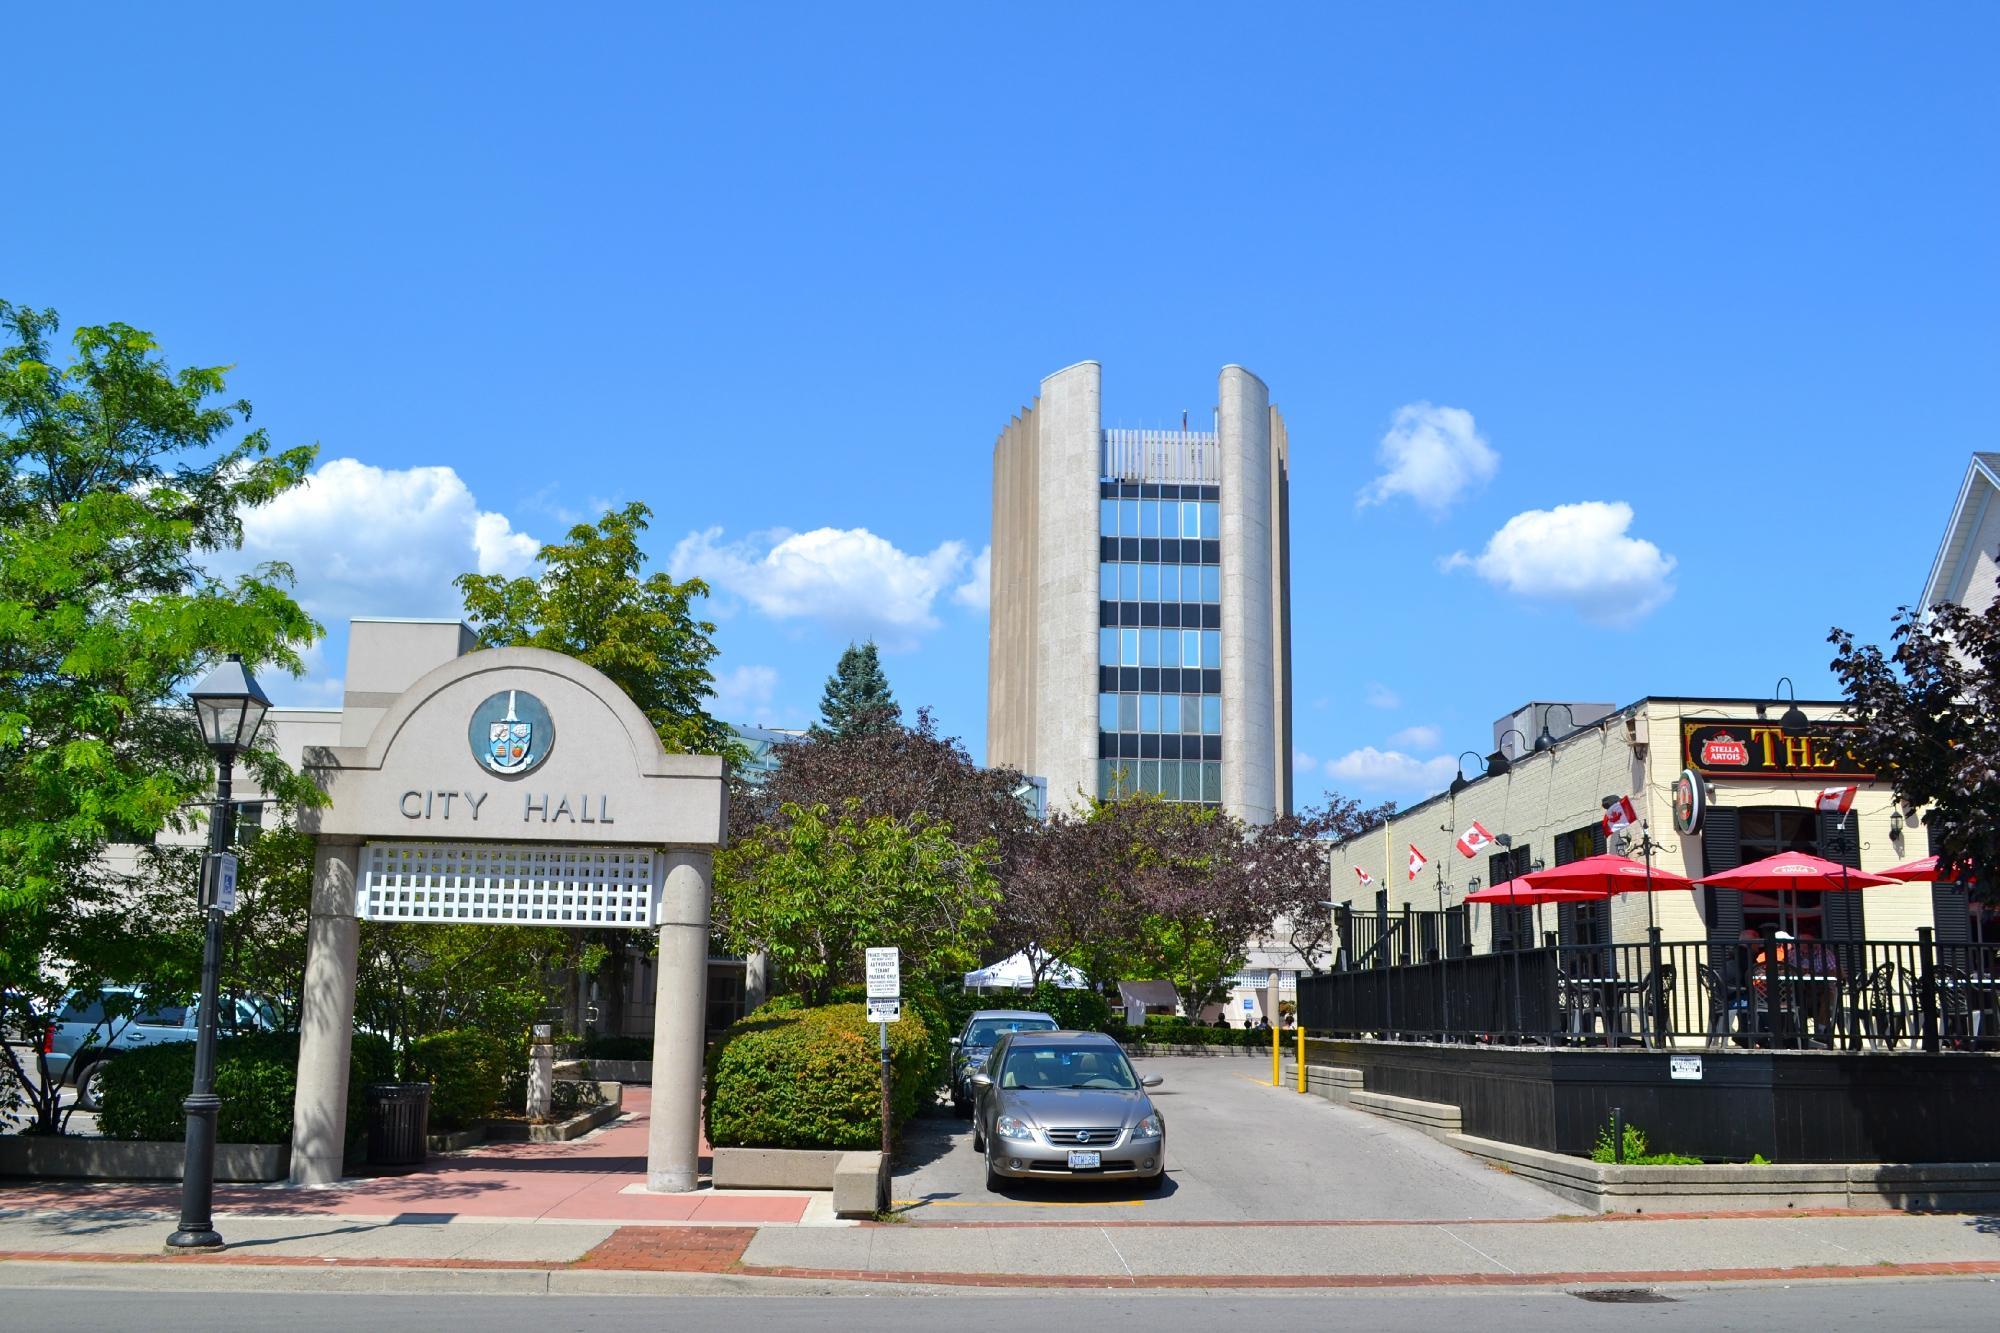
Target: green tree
<point x="857" y="700"/>
<point x="591" y="602"/>
<point x="817" y="888"/>
<point x="119" y="477"/>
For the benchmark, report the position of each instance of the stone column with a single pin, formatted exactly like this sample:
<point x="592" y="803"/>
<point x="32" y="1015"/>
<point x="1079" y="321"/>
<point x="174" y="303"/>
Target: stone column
<point x="673" y="1145"/>
<point x="756" y="981"/>
<point x="326" y="1017"/>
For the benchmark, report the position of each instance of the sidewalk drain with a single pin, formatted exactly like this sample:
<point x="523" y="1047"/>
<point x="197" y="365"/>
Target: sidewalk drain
<point x="1623" y="1296"/>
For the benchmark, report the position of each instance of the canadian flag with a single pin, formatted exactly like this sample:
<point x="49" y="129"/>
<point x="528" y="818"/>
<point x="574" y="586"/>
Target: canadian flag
<point x="1417" y="861"/>
<point x="1621" y="813"/>
<point x="1474" y="838"/>
<point x="1363" y="876"/>
<point x="1837" y="800"/>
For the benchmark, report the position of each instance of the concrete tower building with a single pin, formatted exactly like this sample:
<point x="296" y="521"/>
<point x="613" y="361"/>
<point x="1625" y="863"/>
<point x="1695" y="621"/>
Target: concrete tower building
<point x="1140" y="637"/>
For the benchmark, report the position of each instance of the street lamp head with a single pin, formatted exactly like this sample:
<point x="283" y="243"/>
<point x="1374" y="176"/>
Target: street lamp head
<point x="229" y="707"/>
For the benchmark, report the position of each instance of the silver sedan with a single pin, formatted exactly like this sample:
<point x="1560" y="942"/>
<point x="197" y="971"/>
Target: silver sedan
<point x="1066" y="1106"/>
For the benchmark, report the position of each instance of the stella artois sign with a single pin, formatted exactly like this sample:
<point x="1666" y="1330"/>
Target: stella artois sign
<point x="1756" y="748"/>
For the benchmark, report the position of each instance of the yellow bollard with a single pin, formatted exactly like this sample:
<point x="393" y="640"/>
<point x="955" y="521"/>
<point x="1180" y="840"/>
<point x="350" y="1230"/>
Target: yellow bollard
<point x="1277" y="1045"/>
<point x="1302" y="1057"/>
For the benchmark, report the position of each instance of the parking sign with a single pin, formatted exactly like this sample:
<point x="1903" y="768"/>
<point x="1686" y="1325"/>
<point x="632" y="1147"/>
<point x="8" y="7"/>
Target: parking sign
<point x="885" y="973"/>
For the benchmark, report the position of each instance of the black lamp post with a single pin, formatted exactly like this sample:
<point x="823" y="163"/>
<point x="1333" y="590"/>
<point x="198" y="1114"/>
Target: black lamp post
<point x="229" y="708"/>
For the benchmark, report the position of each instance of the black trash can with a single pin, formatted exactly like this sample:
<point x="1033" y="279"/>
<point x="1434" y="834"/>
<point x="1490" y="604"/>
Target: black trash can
<point x="399" y="1122"/>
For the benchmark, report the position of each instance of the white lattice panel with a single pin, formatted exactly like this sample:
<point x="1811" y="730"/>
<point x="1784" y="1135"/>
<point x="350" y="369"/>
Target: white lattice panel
<point x="456" y="882"/>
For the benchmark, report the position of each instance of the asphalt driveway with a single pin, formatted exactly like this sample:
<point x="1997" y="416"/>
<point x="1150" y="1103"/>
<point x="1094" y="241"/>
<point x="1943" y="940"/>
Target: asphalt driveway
<point x="1237" y="1150"/>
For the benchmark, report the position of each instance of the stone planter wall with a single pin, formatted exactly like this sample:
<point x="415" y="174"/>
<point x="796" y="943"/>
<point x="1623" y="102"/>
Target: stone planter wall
<point x="75" y="1158"/>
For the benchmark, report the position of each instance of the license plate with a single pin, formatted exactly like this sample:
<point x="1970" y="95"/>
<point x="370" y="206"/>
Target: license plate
<point x="1079" y="1161"/>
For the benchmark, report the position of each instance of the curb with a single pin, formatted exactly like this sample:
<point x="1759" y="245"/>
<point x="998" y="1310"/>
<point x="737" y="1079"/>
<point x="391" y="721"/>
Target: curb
<point x="510" y="1276"/>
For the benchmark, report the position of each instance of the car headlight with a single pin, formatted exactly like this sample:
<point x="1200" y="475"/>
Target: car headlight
<point x="1149" y="1128"/>
<point x="1013" y="1127"/>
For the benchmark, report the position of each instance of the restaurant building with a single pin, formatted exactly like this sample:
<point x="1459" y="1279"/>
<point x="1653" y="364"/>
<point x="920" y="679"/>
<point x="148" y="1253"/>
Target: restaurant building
<point x="1715" y="782"/>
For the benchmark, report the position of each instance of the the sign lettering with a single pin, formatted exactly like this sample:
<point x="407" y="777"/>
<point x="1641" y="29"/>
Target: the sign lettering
<point x="1754" y="748"/>
<point x="439" y="806"/>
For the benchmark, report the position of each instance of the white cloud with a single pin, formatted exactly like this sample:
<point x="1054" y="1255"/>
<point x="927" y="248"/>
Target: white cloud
<point x="743" y="694"/>
<point x="1579" y="554"/>
<point x="365" y="540"/>
<point x="1303" y="762"/>
<point x="847" y="578"/>
<point x="1390" y="770"/>
<point x="1381" y="696"/>
<point x="393" y="538"/>
<point x="1417" y="738"/>
<point x="977" y="590"/>
<point x="1433" y="455"/>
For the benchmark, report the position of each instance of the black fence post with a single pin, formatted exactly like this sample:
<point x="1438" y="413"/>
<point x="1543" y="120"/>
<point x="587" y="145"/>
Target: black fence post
<point x="1656" y="991"/>
<point x="1618" y="1135"/>
<point x="1927" y="986"/>
<point x="1345" y="916"/>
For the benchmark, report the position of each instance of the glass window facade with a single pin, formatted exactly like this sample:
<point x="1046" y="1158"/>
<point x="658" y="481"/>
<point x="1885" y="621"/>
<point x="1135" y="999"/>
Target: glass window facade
<point x="1159" y="707"/>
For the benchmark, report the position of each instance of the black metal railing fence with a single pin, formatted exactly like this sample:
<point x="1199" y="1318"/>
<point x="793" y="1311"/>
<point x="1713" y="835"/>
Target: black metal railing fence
<point x="1768" y="993"/>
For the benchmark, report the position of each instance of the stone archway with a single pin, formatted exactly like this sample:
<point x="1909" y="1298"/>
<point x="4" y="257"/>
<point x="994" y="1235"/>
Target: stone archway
<point x="511" y="786"/>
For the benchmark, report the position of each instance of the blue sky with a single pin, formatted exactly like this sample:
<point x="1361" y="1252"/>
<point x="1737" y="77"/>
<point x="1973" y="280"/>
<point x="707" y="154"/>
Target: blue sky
<point x="784" y="272"/>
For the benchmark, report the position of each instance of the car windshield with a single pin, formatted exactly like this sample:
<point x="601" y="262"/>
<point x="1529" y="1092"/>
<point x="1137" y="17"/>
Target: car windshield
<point x="987" y="1031"/>
<point x="1068" y="1067"/>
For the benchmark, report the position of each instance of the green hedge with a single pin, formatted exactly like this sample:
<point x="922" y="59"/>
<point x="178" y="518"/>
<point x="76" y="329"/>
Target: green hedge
<point x="1180" y="1032"/>
<point x="256" y="1076"/>
<point x="811" y="1078"/>
<point x="615" y="1048"/>
<point x="468" y="1073"/>
<point x="1079" y="1010"/>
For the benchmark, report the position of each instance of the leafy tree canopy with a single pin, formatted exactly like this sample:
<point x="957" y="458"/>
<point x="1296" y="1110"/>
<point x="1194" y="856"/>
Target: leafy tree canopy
<point x="1929" y="715"/>
<point x="591" y="602"/>
<point x="118" y="475"/>
<point x="817" y="888"/>
<point x="857" y="700"/>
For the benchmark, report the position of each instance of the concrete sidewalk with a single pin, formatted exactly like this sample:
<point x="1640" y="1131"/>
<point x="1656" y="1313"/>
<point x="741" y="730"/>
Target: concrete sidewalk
<point x="1624" y="1250"/>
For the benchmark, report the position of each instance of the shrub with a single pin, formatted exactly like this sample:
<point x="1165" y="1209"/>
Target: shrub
<point x="256" y="1075"/>
<point x="615" y="1048"/>
<point x="811" y="1078"/>
<point x="467" y="1070"/>
<point x="1637" y="1151"/>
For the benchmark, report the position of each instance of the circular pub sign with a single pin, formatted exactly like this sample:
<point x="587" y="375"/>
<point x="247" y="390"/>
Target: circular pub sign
<point x="511" y="733"/>
<point x="1690" y="802"/>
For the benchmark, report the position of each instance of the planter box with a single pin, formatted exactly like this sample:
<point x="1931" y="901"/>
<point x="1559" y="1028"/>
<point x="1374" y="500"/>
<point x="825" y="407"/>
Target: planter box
<point x="1142" y="1049"/>
<point x="458" y="1141"/>
<point x="521" y="1131"/>
<point x="67" y="1158"/>
<point x="624" y="1071"/>
<point x="1607" y="1187"/>
<point x="855" y="1178"/>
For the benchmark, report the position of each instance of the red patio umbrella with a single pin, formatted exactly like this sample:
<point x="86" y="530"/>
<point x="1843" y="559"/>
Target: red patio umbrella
<point x="1518" y="892"/>
<point x="1797" y="871"/>
<point x="1923" y="870"/>
<point x="1607" y="874"/>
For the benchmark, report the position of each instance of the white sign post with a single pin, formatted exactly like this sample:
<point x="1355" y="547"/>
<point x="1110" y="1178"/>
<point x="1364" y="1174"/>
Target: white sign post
<point x="884" y="968"/>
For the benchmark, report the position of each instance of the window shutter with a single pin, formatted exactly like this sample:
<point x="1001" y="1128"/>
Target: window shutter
<point x="1566" y="923"/>
<point x="1843" y="910"/>
<point x="1597" y="843"/>
<point x="1950" y="913"/>
<point x="1563" y="846"/>
<point x="1722" y="849"/>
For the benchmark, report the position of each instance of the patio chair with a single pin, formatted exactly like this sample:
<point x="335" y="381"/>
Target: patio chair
<point x="1652" y="1022"/>
<point x="1728" y="1007"/>
<point x="1956" y="1018"/>
<point x="1879" y="1008"/>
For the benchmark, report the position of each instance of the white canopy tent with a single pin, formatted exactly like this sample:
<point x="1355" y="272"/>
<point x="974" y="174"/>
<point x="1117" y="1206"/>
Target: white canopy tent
<point x="1018" y="973"/>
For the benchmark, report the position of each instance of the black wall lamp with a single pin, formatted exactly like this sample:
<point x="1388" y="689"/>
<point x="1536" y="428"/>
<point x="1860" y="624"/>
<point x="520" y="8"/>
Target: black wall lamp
<point x="1547" y="738"/>
<point x="1459" y="782"/>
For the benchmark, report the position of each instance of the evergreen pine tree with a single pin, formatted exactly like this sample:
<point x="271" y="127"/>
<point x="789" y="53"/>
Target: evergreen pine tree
<point x="857" y="701"/>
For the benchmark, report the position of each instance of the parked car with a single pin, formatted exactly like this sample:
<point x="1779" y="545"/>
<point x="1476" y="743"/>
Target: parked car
<point x="975" y="1042"/>
<point x="1066" y="1106"/>
<point x="91" y="1030"/>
